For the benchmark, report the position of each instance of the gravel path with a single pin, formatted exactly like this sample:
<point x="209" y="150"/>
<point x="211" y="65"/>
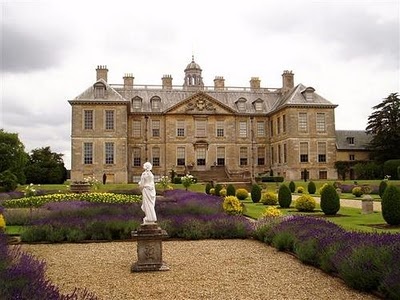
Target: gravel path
<point x="207" y="269"/>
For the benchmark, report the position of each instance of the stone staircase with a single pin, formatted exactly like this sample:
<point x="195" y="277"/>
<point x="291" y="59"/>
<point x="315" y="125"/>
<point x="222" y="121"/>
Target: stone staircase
<point x="215" y="174"/>
<point x="218" y="174"/>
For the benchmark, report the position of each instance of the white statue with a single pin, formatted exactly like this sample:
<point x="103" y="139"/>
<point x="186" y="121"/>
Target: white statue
<point x="146" y="184"/>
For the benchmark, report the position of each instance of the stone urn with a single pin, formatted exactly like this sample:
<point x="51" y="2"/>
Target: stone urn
<point x="80" y="187"/>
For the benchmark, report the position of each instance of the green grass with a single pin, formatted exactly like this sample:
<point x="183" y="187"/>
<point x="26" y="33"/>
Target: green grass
<point x="14" y="230"/>
<point x="347" y="217"/>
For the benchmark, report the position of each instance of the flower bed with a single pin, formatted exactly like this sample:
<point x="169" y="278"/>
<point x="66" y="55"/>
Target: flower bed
<point x="183" y="214"/>
<point x="23" y="277"/>
<point x="365" y="261"/>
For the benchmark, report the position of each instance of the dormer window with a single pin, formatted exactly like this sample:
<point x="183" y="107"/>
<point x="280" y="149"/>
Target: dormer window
<point x="258" y="105"/>
<point x="308" y="93"/>
<point x="99" y="90"/>
<point x="350" y="140"/>
<point x="136" y="104"/>
<point x="155" y="103"/>
<point x="241" y="104"/>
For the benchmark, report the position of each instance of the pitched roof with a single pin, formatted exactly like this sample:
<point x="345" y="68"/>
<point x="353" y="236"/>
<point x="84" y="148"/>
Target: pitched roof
<point x="352" y="140"/>
<point x="272" y="98"/>
<point x="298" y="96"/>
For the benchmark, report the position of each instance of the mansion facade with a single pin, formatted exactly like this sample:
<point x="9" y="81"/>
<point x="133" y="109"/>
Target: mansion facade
<point x="287" y="131"/>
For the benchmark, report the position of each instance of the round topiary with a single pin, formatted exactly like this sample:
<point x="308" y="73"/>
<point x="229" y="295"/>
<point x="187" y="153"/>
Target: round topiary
<point x="311" y="188"/>
<point x="232" y="205"/>
<point x="391" y="205"/>
<point x="218" y="188"/>
<point x="292" y="186"/>
<point x="269" y="198"/>
<point x="330" y="201"/>
<point x="222" y="192"/>
<point x="357" y="191"/>
<point x="284" y="196"/>
<point x="382" y="187"/>
<point x="208" y="188"/>
<point x="255" y="193"/>
<point x="271" y="211"/>
<point x="242" y="194"/>
<point x="305" y="203"/>
<point x="230" y="190"/>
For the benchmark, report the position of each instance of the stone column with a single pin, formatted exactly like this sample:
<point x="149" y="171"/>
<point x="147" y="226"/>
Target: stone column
<point x="149" y="248"/>
<point x="367" y="205"/>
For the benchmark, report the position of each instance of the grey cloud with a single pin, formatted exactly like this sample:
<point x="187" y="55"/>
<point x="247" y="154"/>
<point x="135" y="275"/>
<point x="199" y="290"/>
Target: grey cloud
<point x="16" y="113"/>
<point x="351" y="30"/>
<point x="25" y="51"/>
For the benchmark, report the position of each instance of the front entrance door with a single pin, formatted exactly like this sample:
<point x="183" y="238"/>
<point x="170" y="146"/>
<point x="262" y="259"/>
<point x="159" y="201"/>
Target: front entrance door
<point x="201" y="158"/>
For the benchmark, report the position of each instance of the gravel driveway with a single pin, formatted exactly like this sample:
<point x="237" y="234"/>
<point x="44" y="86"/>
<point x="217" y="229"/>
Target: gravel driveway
<point x="207" y="269"/>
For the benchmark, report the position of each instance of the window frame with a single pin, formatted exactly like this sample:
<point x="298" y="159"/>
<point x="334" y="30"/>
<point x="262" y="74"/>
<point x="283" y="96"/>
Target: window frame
<point x="88" y="119"/>
<point x="88" y="153"/>
<point x="109" y="153"/>
<point x="109" y="121"/>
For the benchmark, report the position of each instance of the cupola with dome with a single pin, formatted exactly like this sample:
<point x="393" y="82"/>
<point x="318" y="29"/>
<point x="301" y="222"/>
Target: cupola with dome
<point x="193" y="78"/>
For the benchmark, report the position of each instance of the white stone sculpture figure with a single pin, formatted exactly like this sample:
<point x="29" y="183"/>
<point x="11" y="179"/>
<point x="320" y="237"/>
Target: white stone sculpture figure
<point x="147" y="186"/>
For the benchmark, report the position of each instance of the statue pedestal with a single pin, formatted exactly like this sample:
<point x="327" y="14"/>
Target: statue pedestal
<point x="149" y="248"/>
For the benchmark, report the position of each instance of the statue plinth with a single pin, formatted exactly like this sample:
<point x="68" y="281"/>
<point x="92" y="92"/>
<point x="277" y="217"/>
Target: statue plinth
<point x="149" y="248"/>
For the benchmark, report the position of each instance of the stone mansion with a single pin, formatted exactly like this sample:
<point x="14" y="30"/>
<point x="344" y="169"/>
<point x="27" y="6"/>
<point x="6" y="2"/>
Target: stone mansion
<point x="244" y="131"/>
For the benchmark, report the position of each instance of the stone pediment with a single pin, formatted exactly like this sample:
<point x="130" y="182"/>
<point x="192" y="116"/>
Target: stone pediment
<point x="200" y="103"/>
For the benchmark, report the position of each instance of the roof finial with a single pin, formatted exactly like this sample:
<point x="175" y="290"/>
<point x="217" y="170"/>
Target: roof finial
<point x="192" y="57"/>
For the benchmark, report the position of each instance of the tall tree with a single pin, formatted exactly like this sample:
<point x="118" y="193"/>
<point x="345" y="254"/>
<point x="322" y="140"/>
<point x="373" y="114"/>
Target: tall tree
<point x="13" y="155"/>
<point x="45" y="166"/>
<point x="384" y="126"/>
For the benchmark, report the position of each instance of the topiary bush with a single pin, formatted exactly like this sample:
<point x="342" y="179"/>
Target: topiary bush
<point x="321" y="189"/>
<point x="222" y="192"/>
<point x="382" y="187"/>
<point x="208" y="188"/>
<point x="311" y="188"/>
<point x="232" y="205"/>
<point x="212" y="191"/>
<point x="330" y="201"/>
<point x="271" y="211"/>
<point x="357" y="191"/>
<point x="391" y="205"/>
<point x="255" y="193"/>
<point x="230" y="190"/>
<point x="269" y="198"/>
<point x="305" y="203"/>
<point x="284" y="196"/>
<point x="242" y="194"/>
<point x="300" y="190"/>
<point x="292" y="186"/>
<point x="218" y="188"/>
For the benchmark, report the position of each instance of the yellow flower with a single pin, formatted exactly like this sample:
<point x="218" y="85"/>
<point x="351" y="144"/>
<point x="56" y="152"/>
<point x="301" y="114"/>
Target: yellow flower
<point x="2" y="222"/>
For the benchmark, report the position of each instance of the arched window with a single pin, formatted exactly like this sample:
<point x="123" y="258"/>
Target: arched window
<point x="136" y="103"/>
<point x="155" y="103"/>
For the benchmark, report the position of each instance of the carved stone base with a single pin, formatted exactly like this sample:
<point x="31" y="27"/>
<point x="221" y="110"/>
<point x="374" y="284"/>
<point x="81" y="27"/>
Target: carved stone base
<point x="149" y="248"/>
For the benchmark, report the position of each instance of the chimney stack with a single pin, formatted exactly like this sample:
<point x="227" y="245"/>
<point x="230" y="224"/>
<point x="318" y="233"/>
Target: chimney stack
<point x="219" y="83"/>
<point x="255" y="83"/>
<point x="287" y="81"/>
<point x="101" y="72"/>
<point x="167" y="82"/>
<point x="128" y="81"/>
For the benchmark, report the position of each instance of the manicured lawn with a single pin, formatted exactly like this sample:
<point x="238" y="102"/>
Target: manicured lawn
<point x="347" y="217"/>
<point x="14" y="230"/>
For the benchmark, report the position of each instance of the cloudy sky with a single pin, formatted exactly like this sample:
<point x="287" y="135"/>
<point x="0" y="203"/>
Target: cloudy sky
<point x="349" y="51"/>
